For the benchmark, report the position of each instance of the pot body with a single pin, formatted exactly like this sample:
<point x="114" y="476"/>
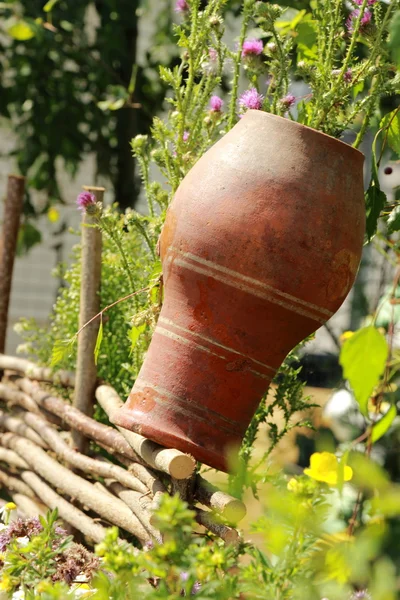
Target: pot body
<point x="260" y="247"/>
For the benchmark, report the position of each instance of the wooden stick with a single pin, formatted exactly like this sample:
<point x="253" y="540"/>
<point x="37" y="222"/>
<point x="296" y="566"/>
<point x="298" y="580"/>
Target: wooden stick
<point x="228" y="534"/>
<point x="138" y="504"/>
<point x="8" y="246"/>
<point x="61" y="478"/>
<point x="12" y="459"/>
<point x="30" y="507"/>
<point x="76" y="419"/>
<point x="14" y="484"/>
<point x="175" y="463"/>
<point x="29" y="369"/>
<point x="66" y="510"/>
<point x="86" y="369"/>
<point x="86" y="464"/>
<point x="17" y="426"/>
<point x="232" y="509"/>
<point x="184" y="488"/>
<point x="143" y="473"/>
<point x="15" y="397"/>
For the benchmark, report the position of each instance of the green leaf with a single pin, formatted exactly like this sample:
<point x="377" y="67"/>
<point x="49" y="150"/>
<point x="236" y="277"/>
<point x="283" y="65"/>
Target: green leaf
<point x="375" y="201"/>
<point x="99" y="339"/>
<point x="135" y="333"/>
<point x="111" y="104"/>
<point x="391" y="125"/>
<point x="50" y="5"/>
<point x="381" y="427"/>
<point x="286" y="25"/>
<point x="393" y="222"/>
<point x="394" y="37"/>
<point x="21" y="31"/>
<point x="388" y="502"/>
<point x="363" y="358"/>
<point x="358" y="88"/>
<point x="61" y="350"/>
<point x="307" y="35"/>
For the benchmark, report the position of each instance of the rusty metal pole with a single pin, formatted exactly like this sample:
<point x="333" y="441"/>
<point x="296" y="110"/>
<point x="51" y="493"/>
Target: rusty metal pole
<point x="8" y="244"/>
<point x="86" y="369"/>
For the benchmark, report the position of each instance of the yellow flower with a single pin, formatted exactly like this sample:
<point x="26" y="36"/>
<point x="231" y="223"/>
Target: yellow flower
<point x="346" y="335"/>
<point x="293" y="485"/>
<point x="53" y="214"/>
<point x="324" y="467"/>
<point x="10" y="506"/>
<point x="5" y="583"/>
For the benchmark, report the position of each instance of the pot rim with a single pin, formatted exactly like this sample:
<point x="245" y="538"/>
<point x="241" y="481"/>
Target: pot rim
<point x="306" y="127"/>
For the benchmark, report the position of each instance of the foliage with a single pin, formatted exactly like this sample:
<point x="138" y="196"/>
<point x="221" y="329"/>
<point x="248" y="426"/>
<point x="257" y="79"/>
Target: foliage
<point x="37" y="550"/>
<point x="323" y="535"/>
<point x="71" y="85"/>
<point x="306" y="553"/>
<point x="119" y="354"/>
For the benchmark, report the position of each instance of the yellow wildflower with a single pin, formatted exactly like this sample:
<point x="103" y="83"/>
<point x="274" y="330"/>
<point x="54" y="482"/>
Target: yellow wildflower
<point x="53" y="214"/>
<point x="6" y="584"/>
<point x="324" y="466"/>
<point x="293" y="485"/>
<point x="346" y="335"/>
<point x="10" y="506"/>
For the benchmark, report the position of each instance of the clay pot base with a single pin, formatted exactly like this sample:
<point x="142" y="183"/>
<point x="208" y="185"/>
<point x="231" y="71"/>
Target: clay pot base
<point x="140" y="423"/>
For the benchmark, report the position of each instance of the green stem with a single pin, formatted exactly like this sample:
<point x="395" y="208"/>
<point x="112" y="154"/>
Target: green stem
<point x="142" y="230"/>
<point x="117" y="242"/>
<point x="345" y="66"/>
<point x="283" y="75"/>
<point x="375" y="50"/>
<point x="144" y="165"/>
<point x="366" y="120"/>
<point x="236" y="72"/>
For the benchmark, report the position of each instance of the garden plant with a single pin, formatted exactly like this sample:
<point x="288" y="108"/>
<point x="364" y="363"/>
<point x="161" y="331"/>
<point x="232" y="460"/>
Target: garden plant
<point x="330" y="531"/>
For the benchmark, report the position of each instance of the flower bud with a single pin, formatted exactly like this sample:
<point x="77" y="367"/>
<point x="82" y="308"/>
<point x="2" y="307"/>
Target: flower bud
<point x="215" y="22"/>
<point x="139" y="142"/>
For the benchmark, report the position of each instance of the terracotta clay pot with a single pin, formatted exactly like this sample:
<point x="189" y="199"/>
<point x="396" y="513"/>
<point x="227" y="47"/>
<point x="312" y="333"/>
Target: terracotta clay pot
<point x="260" y="247"/>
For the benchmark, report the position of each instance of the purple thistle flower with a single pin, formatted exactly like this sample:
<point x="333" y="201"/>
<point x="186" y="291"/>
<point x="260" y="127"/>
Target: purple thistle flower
<point x="148" y="546"/>
<point x="353" y="16"/>
<point x="216" y="104"/>
<point x="196" y="588"/>
<point x="252" y="47"/>
<point x="185" y="136"/>
<point x="19" y="528"/>
<point x="85" y="200"/>
<point x="348" y="76"/>
<point x="5" y="538"/>
<point x="213" y="54"/>
<point x="288" y="101"/>
<point x="251" y="99"/>
<point x="181" y="6"/>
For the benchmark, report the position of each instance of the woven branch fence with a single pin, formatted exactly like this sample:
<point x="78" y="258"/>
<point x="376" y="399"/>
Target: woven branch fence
<point x="40" y="468"/>
<point x="53" y="454"/>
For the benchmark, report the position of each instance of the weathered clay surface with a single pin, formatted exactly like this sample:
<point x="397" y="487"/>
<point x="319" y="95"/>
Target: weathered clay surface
<point x="260" y="247"/>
